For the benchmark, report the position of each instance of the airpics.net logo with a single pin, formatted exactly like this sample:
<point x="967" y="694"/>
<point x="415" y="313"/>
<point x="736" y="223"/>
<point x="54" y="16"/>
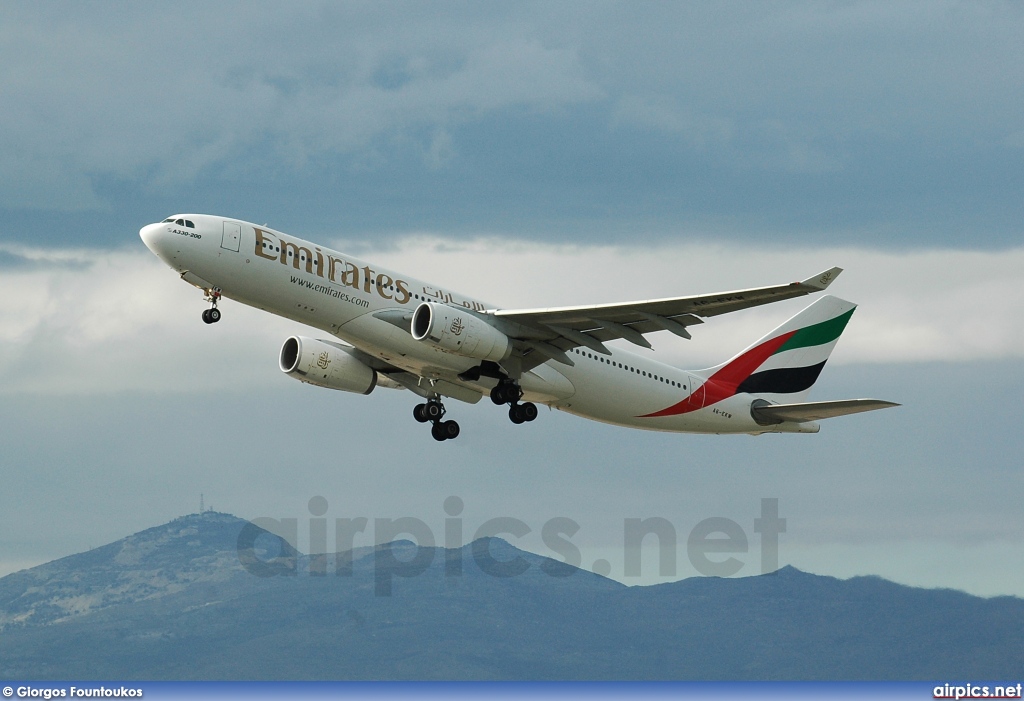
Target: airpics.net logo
<point x="977" y="691"/>
<point x="406" y="547"/>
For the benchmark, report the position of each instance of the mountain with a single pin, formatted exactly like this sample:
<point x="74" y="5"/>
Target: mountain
<point x="178" y="602"/>
<point x="184" y="553"/>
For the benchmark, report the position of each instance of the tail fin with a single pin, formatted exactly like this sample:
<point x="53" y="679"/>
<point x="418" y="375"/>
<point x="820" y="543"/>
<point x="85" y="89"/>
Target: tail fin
<point x="788" y="360"/>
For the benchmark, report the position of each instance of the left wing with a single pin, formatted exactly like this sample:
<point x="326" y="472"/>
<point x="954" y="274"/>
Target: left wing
<point x="553" y="331"/>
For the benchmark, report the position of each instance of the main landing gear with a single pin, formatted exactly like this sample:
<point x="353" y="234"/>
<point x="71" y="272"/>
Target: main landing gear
<point x="212" y="315"/>
<point x="433" y="411"/>
<point x="508" y="392"/>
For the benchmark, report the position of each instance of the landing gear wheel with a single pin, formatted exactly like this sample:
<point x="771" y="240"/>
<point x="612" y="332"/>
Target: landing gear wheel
<point x="212" y="295"/>
<point x="433" y="410"/>
<point x="528" y="411"/>
<point x="515" y="414"/>
<point x="506" y="392"/>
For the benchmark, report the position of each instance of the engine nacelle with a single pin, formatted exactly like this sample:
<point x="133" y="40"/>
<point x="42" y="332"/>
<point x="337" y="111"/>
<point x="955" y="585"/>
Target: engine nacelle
<point x="326" y="364"/>
<point x="458" y="332"/>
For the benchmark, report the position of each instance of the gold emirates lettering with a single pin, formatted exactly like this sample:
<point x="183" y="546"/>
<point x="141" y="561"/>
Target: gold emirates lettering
<point x="338" y="270"/>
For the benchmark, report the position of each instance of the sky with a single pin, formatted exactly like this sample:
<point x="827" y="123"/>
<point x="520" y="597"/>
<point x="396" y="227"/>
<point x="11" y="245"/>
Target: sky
<point x="529" y="154"/>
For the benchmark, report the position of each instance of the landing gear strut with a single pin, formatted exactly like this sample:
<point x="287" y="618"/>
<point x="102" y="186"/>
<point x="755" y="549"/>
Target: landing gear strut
<point x="508" y="392"/>
<point x="212" y="315"/>
<point x="433" y="411"/>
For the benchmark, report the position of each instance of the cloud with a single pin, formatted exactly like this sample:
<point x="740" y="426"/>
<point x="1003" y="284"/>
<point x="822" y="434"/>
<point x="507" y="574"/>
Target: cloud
<point x="87" y="321"/>
<point x="915" y="306"/>
<point x="787" y="126"/>
<point x="790" y="117"/>
<point x="132" y="98"/>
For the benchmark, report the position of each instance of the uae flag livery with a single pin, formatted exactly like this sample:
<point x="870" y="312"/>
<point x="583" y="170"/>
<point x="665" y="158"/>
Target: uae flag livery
<point x="785" y="362"/>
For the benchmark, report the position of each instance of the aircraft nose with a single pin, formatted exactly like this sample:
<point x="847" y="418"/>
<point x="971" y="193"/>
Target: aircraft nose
<point x="152" y="235"/>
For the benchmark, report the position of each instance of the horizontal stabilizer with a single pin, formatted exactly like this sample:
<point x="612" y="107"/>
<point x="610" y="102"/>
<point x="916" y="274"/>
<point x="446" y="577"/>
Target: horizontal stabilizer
<point x="767" y="414"/>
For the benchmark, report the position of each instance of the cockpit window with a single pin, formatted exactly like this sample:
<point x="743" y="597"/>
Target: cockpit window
<point x="179" y="222"/>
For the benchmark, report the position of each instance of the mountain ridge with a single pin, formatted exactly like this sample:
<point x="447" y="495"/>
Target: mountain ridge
<point x="176" y="602"/>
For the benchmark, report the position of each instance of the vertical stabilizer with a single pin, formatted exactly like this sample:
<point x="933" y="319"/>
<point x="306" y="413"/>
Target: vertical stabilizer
<point x="787" y="361"/>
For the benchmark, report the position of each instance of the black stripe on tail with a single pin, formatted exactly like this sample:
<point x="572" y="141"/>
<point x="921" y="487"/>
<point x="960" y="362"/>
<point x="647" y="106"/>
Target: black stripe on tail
<point x="781" y="380"/>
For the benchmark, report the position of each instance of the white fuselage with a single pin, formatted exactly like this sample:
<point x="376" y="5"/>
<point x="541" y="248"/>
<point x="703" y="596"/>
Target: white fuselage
<point x="339" y="294"/>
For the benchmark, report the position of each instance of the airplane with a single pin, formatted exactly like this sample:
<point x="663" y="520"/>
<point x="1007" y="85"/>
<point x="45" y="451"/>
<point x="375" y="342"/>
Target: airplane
<point x="391" y="330"/>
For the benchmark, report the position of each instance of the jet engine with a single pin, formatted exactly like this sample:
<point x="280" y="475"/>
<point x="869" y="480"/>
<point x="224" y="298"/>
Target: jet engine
<point x="326" y="364"/>
<point x="458" y="332"/>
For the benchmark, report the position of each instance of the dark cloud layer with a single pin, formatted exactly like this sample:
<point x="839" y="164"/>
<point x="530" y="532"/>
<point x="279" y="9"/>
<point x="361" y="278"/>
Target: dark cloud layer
<point x="892" y="125"/>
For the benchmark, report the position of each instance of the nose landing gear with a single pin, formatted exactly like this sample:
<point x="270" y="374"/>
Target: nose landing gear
<point x="508" y="392"/>
<point x="433" y="411"/>
<point x="212" y="315"/>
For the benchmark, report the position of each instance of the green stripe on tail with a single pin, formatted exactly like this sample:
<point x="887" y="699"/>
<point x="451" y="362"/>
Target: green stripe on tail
<point x="818" y="334"/>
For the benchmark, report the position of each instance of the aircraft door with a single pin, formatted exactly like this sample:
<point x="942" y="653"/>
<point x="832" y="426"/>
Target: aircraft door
<point x="232" y="236"/>
<point x="696" y="390"/>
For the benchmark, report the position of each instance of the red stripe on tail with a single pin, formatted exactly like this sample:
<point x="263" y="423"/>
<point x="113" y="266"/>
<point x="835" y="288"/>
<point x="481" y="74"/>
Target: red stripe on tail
<point x="723" y="383"/>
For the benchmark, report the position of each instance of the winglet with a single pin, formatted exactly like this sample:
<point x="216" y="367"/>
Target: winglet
<point x="822" y="280"/>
